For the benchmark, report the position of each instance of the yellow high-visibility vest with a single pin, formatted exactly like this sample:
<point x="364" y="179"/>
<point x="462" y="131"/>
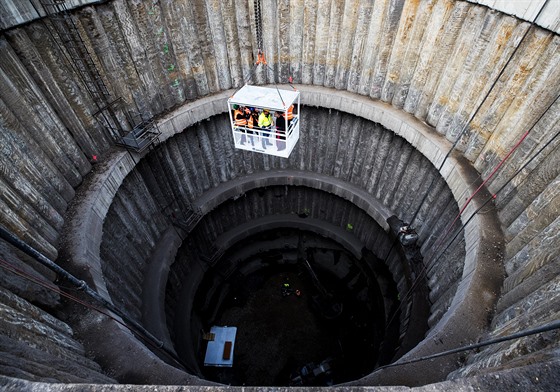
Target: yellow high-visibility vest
<point x="264" y="120"/>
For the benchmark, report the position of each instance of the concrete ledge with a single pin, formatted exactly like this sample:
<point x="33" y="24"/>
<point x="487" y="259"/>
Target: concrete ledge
<point x="84" y="230"/>
<point x="233" y="188"/>
<point x="482" y="273"/>
<point x="541" y="377"/>
<point x="346" y="239"/>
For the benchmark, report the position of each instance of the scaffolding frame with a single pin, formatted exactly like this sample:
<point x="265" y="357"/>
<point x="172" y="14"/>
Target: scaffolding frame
<point x="135" y="132"/>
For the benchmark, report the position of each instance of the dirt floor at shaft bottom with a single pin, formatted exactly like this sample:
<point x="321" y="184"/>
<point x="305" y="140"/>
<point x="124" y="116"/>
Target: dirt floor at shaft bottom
<point x="276" y="334"/>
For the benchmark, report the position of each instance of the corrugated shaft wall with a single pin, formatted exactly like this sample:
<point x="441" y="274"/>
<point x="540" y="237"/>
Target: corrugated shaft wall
<point x="454" y="65"/>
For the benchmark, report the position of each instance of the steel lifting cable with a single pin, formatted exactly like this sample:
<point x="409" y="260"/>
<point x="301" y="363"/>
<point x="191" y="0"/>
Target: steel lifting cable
<point x="492" y="197"/>
<point x="260" y="52"/>
<point x="463" y="131"/>
<point x="258" y="33"/>
<point x="471" y="117"/>
<point x="258" y="27"/>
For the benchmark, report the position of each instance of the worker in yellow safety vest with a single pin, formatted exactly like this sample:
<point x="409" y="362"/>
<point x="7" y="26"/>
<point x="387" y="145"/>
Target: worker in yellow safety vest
<point x="265" y="122"/>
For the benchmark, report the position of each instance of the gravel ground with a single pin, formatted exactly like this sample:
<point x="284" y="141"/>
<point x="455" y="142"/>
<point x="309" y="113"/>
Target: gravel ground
<point x="276" y="334"/>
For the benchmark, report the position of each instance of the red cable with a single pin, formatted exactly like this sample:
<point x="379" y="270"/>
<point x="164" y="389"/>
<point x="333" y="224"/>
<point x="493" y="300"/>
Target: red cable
<point x="50" y="286"/>
<point x="7" y="265"/>
<point x="441" y="238"/>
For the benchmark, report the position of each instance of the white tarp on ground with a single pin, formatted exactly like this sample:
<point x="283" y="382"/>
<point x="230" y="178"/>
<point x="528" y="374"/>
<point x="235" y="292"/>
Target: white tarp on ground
<point x="215" y="350"/>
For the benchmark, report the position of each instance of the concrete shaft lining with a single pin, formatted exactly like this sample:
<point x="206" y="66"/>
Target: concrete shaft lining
<point x="215" y="196"/>
<point x="437" y="59"/>
<point x="153" y="289"/>
<point x="481" y="274"/>
<point x="23" y="12"/>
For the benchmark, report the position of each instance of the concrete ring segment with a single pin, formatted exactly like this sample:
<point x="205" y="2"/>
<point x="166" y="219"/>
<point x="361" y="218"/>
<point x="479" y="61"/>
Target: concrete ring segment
<point x="466" y="318"/>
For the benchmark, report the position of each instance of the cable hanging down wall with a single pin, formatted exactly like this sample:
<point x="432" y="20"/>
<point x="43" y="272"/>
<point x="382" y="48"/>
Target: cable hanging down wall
<point x="129" y="323"/>
<point x="449" y="229"/>
<point x="545" y="328"/>
<point x="471" y="117"/>
<point x="441" y="240"/>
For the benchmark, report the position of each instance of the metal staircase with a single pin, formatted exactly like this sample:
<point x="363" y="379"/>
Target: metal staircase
<point x="133" y="132"/>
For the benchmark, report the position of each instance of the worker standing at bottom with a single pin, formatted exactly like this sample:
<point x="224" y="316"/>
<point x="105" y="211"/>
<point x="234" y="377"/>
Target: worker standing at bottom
<point x="265" y="122"/>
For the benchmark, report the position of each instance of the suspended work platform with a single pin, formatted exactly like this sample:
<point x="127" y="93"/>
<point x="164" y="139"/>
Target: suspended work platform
<point x="258" y="120"/>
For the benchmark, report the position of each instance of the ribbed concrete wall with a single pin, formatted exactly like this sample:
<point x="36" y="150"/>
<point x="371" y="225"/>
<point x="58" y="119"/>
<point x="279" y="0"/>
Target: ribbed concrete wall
<point x="369" y="158"/>
<point x="133" y="227"/>
<point x="16" y="12"/>
<point x="442" y="61"/>
<point x="44" y="349"/>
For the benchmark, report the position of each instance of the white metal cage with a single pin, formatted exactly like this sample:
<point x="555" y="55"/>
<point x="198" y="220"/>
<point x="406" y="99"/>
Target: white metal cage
<point x="277" y="136"/>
